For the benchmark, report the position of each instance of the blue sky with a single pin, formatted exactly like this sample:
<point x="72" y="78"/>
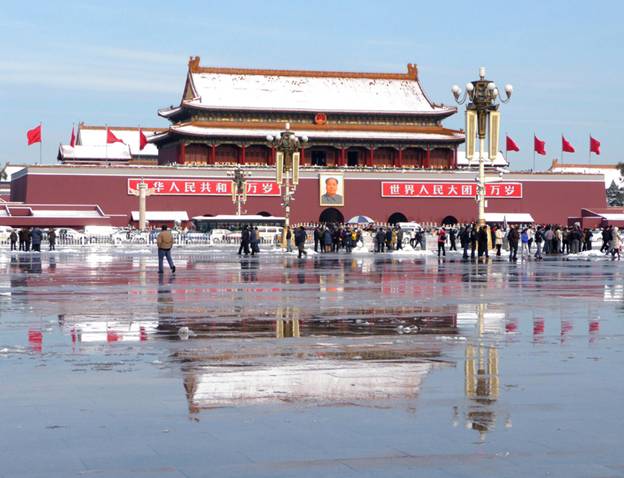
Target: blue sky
<point x="117" y="62"/>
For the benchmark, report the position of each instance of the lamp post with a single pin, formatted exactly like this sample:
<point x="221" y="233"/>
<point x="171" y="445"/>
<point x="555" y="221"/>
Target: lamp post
<point x="239" y="188"/>
<point x="482" y="117"/>
<point x="287" y="159"/>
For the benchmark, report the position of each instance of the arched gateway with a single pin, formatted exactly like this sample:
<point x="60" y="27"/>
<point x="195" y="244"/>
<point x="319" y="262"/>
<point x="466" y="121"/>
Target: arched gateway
<point x="331" y="214"/>
<point x="397" y="217"/>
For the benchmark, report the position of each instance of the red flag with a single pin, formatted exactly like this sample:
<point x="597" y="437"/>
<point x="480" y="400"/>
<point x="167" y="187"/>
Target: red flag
<point x="111" y="138"/>
<point x="511" y="145"/>
<point x="72" y="140"/>
<point x="34" y="135"/>
<point x="566" y="147"/>
<point x="539" y="146"/>
<point x="142" y="140"/>
<point x="594" y="146"/>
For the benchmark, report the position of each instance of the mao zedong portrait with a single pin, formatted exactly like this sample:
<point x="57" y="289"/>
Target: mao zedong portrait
<point x="331" y="195"/>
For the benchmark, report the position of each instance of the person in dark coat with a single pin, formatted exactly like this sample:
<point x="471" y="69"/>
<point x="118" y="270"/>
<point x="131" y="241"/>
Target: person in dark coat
<point x="52" y="239"/>
<point x="513" y="237"/>
<point x="300" y="239"/>
<point x="380" y="238"/>
<point x="482" y="241"/>
<point x="473" y="240"/>
<point x="23" y="239"/>
<point x="254" y="240"/>
<point x="317" y="238"/>
<point x="464" y="238"/>
<point x="244" y="245"/>
<point x="36" y="236"/>
<point x="453" y="238"/>
<point x="13" y="239"/>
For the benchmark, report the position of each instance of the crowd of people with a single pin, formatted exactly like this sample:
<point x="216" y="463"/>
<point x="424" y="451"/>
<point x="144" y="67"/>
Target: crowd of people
<point x="530" y="240"/>
<point x="30" y="238"/>
<point x="475" y="241"/>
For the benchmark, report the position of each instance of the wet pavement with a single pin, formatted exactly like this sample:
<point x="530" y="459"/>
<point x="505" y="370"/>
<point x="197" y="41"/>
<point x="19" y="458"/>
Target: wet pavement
<point x="338" y="365"/>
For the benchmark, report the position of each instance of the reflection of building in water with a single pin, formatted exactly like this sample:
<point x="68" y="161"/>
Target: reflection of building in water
<point x="314" y="381"/>
<point x="93" y="329"/>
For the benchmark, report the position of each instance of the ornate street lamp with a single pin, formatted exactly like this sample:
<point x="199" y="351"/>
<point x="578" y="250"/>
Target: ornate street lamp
<point x="287" y="159"/>
<point x="239" y="188"/>
<point x="482" y="117"/>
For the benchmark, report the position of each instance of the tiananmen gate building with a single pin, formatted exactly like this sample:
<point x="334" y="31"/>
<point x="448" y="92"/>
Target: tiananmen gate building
<point x="377" y="134"/>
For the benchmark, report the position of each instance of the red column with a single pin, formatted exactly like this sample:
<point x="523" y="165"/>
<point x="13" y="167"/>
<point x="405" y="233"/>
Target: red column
<point x="398" y="159"/>
<point x="428" y="160"/>
<point x="272" y="157"/>
<point x="242" y="157"/>
<point x="371" y="153"/>
<point x="213" y="154"/>
<point x="182" y="154"/>
<point x="343" y="157"/>
<point x="454" y="160"/>
<point x="302" y="158"/>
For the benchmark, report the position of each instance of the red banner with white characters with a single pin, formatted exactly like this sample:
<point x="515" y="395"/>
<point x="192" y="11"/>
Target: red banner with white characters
<point x="203" y="187"/>
<point x="404" y="189"/>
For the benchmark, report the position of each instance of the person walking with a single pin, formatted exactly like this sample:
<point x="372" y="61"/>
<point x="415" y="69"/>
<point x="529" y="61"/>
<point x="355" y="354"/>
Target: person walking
<point x="253" y="240"/>
<point x="616" y="243"/>
<point x="244" y="244"/>
<point x="317" y="238"/>
<point x="452" y="238"/>
<point x="164" y="242"/>
<point x="441" y="242"/>
<point x="380" y="238"/>
<point x="512" y="238"/>
<point x="300" y="239"/>
<point x="13" y="239"/>
<point x="289" y="239"/>
<point x="399" y="238"/>
<point x="539" y="239"/>
<point x="482" y="242"/>
<point x="52" y="239"/>
<point x="524" y="239"/>
<point x="36" y="236"/>
<point x="473" y="240"/>
<point x="327" y="240"/>
<point x="498" y="242"/>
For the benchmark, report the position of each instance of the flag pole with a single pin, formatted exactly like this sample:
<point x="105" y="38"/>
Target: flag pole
<point x="40" y="142"/>
<point x="533" y="170"/>
<point x="561" y="149"/>
<point x="506" y="151"/>
<point x="106" y="142"/>
<point x="589" y="152"/>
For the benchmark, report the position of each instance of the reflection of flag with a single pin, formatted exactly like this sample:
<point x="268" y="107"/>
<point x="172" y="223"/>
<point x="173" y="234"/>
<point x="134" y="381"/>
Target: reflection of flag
<point x="111" y="138"/>
<point x="594" y="146"/>
<point x="142" y="140"/>
<point x="34" y="135"/>
<point x="566" y="147"/>
<point x="511" y="145"/>
<point x="539" y="146"/>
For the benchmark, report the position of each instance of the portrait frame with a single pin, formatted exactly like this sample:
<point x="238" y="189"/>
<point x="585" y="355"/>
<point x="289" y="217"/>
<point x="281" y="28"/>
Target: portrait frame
<point x="328" y="199"/>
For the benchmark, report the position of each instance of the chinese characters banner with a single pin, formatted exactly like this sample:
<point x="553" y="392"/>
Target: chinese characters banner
<point x="449" y="190"/>
<point x="203" y="187"/>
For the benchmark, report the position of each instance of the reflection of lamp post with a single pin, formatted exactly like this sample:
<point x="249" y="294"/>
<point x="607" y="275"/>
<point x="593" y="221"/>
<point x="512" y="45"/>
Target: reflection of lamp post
<point x="287" y="159"/>
<point x="142" y="191"/>
<point x="239" y="188"/>
<point x="481" y="115"/>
